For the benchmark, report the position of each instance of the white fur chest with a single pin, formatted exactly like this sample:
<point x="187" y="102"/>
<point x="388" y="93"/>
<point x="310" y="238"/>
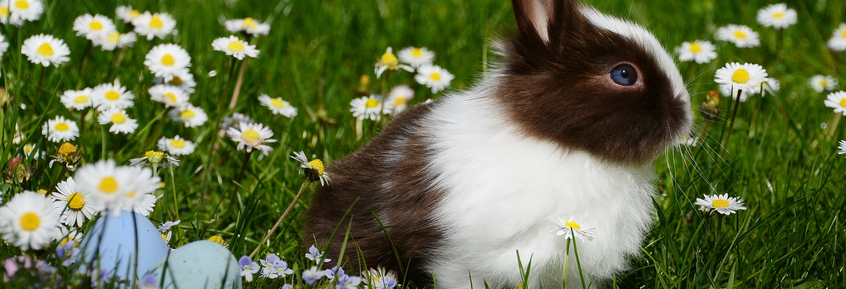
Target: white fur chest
<point x="504" y="191"/>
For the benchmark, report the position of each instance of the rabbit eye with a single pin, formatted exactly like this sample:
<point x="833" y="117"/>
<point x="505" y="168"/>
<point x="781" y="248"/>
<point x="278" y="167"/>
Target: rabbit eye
<point x="624" y="75"/>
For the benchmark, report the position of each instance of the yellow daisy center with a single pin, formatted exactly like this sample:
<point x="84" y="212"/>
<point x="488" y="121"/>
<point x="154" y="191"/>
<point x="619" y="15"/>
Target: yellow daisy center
<point x="114" y="37"/>
<point x="21" y="4"/>
<point x="130" y="194"/>
<point x="844" y="33"/>
<point x="236" y="46"/>
<point x="66" y="240"/>
<point x="843" y="102"/>
<point x="67" y="148"/>
<point x="740" y="75"/>
<point x="435" y="76"/>
<point x="45" y="49"/>
<point x="30" y="221"/>
<point x="187" y="114"/>
<point x="249" y="22"/>
<point x="28" y="149"/>
<point x="177" y="143"/>
<point x="778" y="15"/>
<point x="42" y="192"/>
<point x="95" y="25"/>
<point x="134" y="13"/>
<point x="176" y="81"/>
<point x="4" y="11"/>
<point x="739" y="34"/>
<point x="573" y="225"/>
<point x="417" y="52"/>
<point x="76" y="201"/>
<point x="168" y="60"/>
<point x="720" y="203"/>
<point x="108" y="185"/>
<point x="156" y="22"/>
<point x="277" y="103"/>
<point x="118" y="118"/>
<point x="164" y="237"/>
<point x="695" y="47"/>
<point x="250" y="136"/>
<point x="112" y="95"/>
<point x="154" y="156"/>
<point x="80" y="99"/>
<point x="61" y="126"/>
<point x="219" y="240"/>
<point x="317" y="165"/>
<point x="371" y="103"/>
<point x="400" y="101"/>
<point x="171" y="97"/>
<point x="389" y="59"/>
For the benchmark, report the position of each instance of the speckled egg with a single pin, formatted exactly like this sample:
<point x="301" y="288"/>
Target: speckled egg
<point x="116" y="237"/>
<point x="200" y="264"/>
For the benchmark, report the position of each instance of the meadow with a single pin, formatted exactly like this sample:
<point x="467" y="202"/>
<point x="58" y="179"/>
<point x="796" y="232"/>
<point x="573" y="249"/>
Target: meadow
<point x="778" y="153"/>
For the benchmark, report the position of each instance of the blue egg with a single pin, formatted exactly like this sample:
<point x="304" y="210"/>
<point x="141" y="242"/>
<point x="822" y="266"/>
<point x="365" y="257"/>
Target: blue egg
<point x="116" y="237"/>
<point x="200" y="264"/>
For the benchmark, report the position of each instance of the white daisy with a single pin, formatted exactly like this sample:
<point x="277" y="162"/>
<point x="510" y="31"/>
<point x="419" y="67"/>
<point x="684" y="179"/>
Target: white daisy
<point x="698" y="50"/>
<point x="741" y="35"/>
<point x="368" y="107"/>
<point x="60" y="129"/>
<point x="169" y="95"/>
<point x="570" y="229"/>
<point x="184" y="80"/>
<point x="252" y="136"/>
<point x="127" y="14"/>
<point x="235" y="47"/>
<point x="389" y="62"/>
<point x="92" y="27"/>
<point x="746" y="77"/>
<point x="167" y="60"/>
<point x="837" y="101"/>
<point x="248" y="25"/>
<point x="112" y="40"/>
<point x="105" y="184"/>
<point x="398" y="98"/>
<point x="416" y="56"/>
<point x="314" y="169"/>
<point x="139" y="197"/>
<point x="45" y="50"/>
<point x="190" y="115"/>
<point x="842" y="147"/>
<point x="107" y="95"/>
<point x="838" y="38"/>
<point x="434" y="77"/>
<point x="30" y="149"/>
<point x="3" y="45"/>
<point x="20" y="10"/>
<point x="721" y="204"/>
<point x="74" y="204"/>
<point x="121" y="123"/>
<point x="29" y="221"/>
<point x="155" y="158"/>
<point x="4" y="12"/>
<point x="77" y="99"/>
<point x="822" y="83"/>
<point x="154" y="25"/>
<point x="278" y="106"/>
<point x="770" y="85"/>
<point x="176" y="146"/>
<point x="777" y="16"/>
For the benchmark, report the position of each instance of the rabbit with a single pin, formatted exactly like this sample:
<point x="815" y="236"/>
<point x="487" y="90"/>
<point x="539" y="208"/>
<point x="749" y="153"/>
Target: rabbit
<point x="566" y="126"/>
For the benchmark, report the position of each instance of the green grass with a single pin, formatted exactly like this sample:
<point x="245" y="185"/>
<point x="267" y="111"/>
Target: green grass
<point x="779" y="159"/>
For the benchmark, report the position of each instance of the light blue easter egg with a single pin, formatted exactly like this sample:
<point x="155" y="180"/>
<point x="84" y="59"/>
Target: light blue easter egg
<point x="200" y="264"/>
<point x="115" y="237"/>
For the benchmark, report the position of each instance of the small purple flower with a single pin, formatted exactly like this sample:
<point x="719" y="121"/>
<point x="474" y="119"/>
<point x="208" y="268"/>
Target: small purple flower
<point x="312" y="275"/>
<point x="166" y="226"/>
<point x="149" y="281"/>
<point x="286" y="286"/>
<point x="348" y="282"/>
<point x="248" y="267"/>
<point x="330" y="273"/>
<point x="315" y="255"/>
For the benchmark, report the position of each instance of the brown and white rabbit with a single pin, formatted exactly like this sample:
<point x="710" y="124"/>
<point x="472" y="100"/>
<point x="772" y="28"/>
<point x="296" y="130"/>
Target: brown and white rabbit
<point x="567" y="125"/>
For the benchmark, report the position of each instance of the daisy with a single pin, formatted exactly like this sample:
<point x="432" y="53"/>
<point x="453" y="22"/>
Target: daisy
<point x="777" y="16"/>
<point x="29" y="221"/>
<point x="60" y="129"/>
<point x="741" y="35"/>
<point x="20" y="10"/>
<point x="248" y="268"/>
<point x="105" y="184"/>
<point x="127" y="14"/>
<point x="747" y="76"/>
<point x="837" y="101"/>
<point x="92" y="27"/>
<point x="434" y="77"/>
<point x="219" y="240"/>
<point x="139" y="196"/>
<point x="698" y="50"/>
<point x="721" y="204"/>
<point x="248" y="25"/>
<point x="154" y="25"/>
<point x="68" y="155"/>
<point x="842" y="147"/>
<point x="4" y="12"/>
<point x="176" y="146"/>
<point x="45" y="50"/>
<point x="369" y="107"/>
<point x="389" y="62"/>
<point x="155" y="158"/>
<point x="167" y="60"/>
<point x="235" y="121"/>
<point x="314" y="170"/>
<point x="398" y="98"/>
<point x="416" y="57"/>
<point x="107" y="96"/>
<point x="378" y="278"/>
<point x="3" y="45"/>
<point x="235" y="47"/>
<point x="29" y="149"/>
<point x="183" y="80"/>
<point x="570" y="229"/>
<point x="190" y="115"/>
<point x="73" y="203"/>
<point x="77" y="99"/>
<point x="252" y="136"/>
<point x="121" y="123"/>
<point x="114" y="39"/>
<point x="169" y="95"/>
<point x="822" y="83"/>
<point x="838" y="38"/>
<point x="278" y="106"/>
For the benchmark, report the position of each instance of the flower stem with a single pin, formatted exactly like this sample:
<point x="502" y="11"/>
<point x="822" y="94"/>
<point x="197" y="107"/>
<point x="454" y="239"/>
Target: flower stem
<point x="175" y="199"/>
<point x="229" y="78"/>
<point x="58" y="178"/>
<point x="733" y="116"/>
<point x="288" y="210"/>
<point x="38" y="88"/>
<point x="238" y="84"/>
<point x="566" y="260"/>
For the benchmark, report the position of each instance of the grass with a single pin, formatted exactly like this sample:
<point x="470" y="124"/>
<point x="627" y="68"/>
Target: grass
<point x="779" y="159"/>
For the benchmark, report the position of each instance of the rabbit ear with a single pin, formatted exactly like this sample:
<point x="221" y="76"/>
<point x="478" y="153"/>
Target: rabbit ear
<point x="533" y="17"/>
